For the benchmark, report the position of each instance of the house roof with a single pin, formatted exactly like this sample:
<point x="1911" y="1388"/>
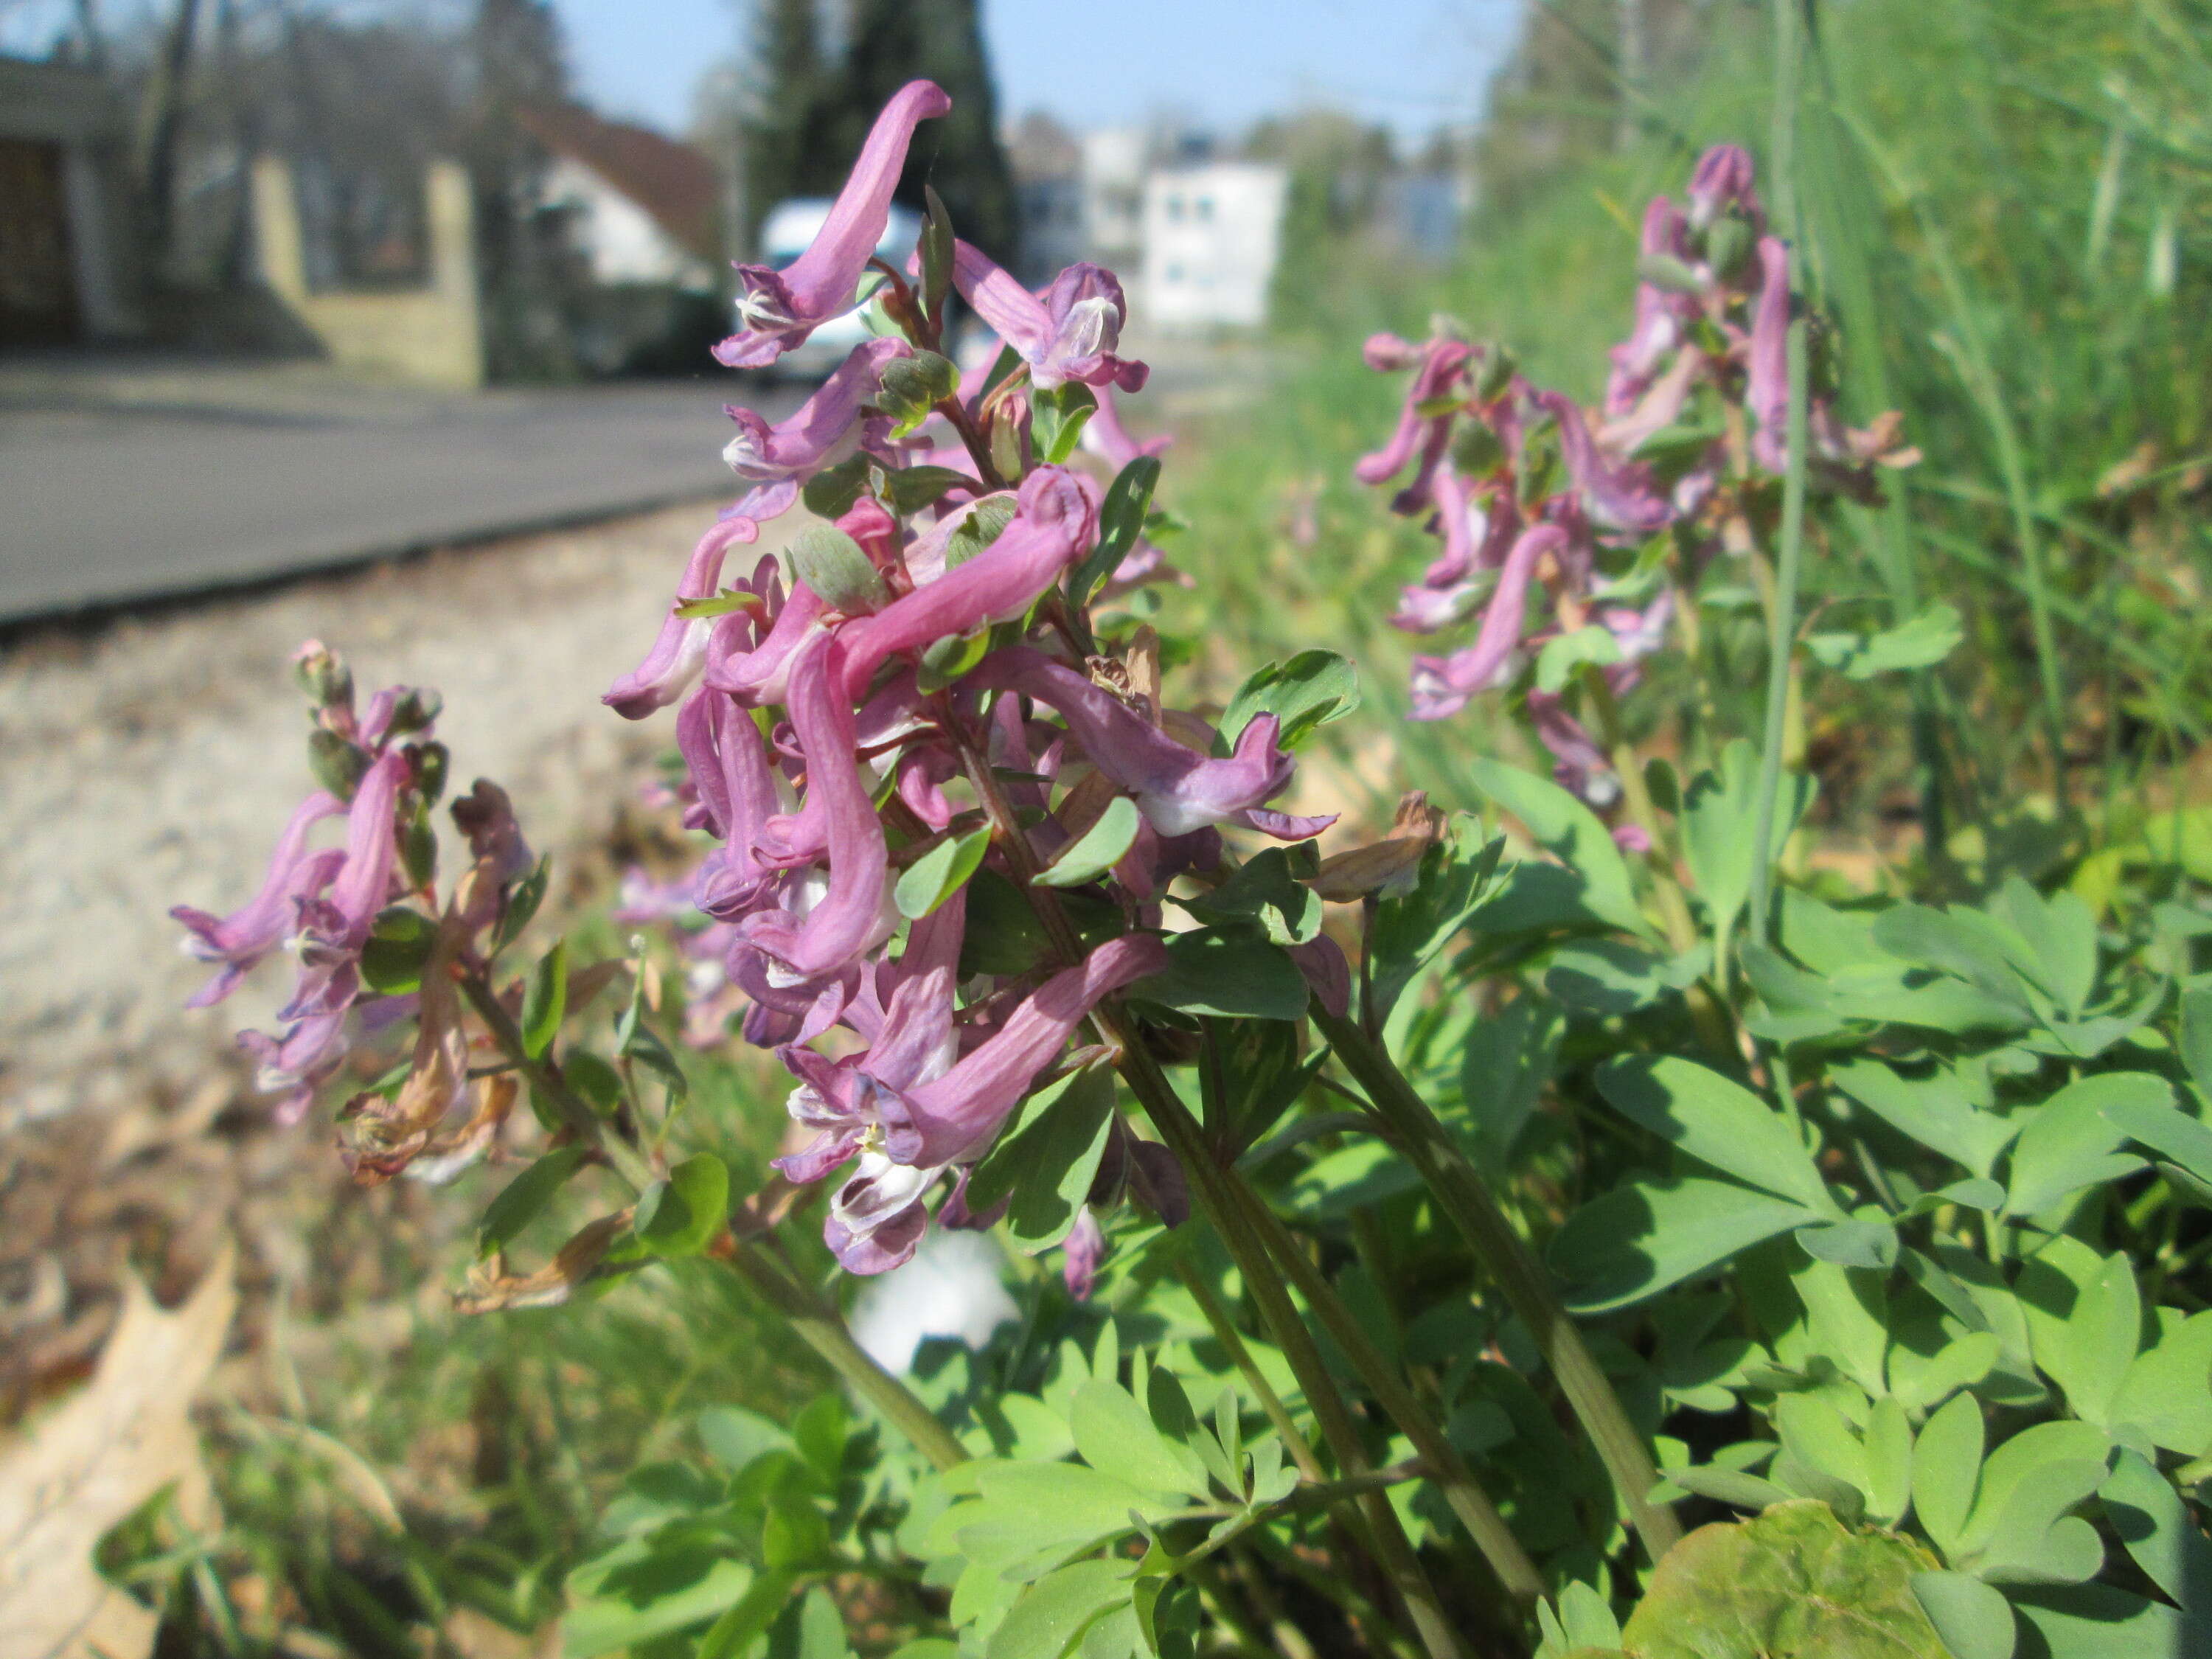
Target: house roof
<point x="673" y="182"/>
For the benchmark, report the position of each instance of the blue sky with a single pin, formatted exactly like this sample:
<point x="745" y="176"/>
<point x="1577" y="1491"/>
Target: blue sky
<point x="1411" y="62"/>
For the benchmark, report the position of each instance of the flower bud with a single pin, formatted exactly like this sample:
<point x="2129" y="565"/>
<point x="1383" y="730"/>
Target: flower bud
<point x="430" y="761"/>
<point x="416" y="709"/>
<point x="831" y="563"/>
<point x="1728" y="244"/>
<point x="338" y="764"/>
<point x="1476" y="450"/>
<point x="322" y="675"/>
<point x="1664" y="270"/>
<point x="1496" y="375"/>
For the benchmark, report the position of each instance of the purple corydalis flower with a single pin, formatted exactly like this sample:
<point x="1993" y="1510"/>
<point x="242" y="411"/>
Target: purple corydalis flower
<point x="242" y="939"/>
<point x="1083" y="1252"/>
<point x="1442" y="361"/>
<point x="334" y="928"/>
<point x="777" y="310"/>
<point x="1442" y="685"/>
<point x="848" y="919"/>
<point x="821" y="431"/>
<point x="1580" y="767"/>
<point x="1177" y="789"/>
<point x="1616" y="495"/>
<point x="956" y="1116"/>
<point x="1722" y="180"/>
<point x="680" y="650"/>
<point x="1068" y="334"/>
<point x="1054" y="525"/>
<point x="1766" y="388"/>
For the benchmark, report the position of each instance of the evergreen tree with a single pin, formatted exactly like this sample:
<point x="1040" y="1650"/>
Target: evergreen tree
<point x="791" y="132"/>
<point x="515" y="45"/>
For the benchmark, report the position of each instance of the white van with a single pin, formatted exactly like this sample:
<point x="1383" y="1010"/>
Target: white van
<point x="787" y="232"/>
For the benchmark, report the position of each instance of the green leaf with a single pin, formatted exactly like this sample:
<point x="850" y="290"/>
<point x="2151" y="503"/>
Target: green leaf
<point x="681" y="1214"/>
<point x="729" y="1636"/>
<point x="1973" y="1620"/>
<point x="1947" y="1463"/>
<point x="545" y="1001"/>
<point x="721" y="605"/>
<point x="1097" y="849"/>
<point x="1726" y="1485"/>
<point x="522" y="1199"/>
<point x="1564" y="653"/>
<point x="2155" y="1526"/>
<point x="1720" y="828"/>
<point x="1451" y="886"/>
<point x="910" y="488"/>
<point x="1305" y="693"/>
<point x="1267" y="889"/>
<point x="1120" y="522"/>
<point x="1639" y="1239"/>
<point x="1776" y="1584"/>
<point x="1113" y="1432"/>
<point x="1717" y="1123"/>
<point x="983" y="523"/>
<point x="1046" y="1161"/>
<point x="2069" y="1142"/>
<point x="398" y="946"/>
<point x="735" y="1438"/>
<point x="1571" y="833"/>
<point x="937" y="250"/>
<point x="2096" y="1621"/>
<point x="1923" y="642"/>
<point x="594" y="1079"/>
<point x="943" y="660"/>
<point x="634" y="1593"/>
<point x="939" y="873"/>
<point x="2167" y="1392"/>
<point x="2196" y="1036"/>
<point x="1057" y="419"/>
<point x="1212" y="972"/>
<point x="831" y="493"/>
<point x="1935" y="1111"/>
<point x="522" y="903"/>
<point x="1055" y="1503"/>
<point x="2084" y="1322"/>
<point x="1058" y="1607"/>
<point x="1606" y="976"/>
<point x="831" y="563"/>
<point x="1851" y="1244"/>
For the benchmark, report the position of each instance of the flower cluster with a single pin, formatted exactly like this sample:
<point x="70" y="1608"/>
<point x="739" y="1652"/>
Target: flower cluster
<point x="892" y="740"/>
<point x="1530" y="495"/>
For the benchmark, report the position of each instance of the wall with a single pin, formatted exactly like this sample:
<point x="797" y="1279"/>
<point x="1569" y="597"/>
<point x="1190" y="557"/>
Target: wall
<point x="431" y="336"/>
<point x="1212" y="234"/>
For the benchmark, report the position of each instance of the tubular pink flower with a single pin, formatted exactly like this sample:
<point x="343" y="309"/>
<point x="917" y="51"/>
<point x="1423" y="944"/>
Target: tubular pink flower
<point x="762" y="675"/>
<point x="822" y="431"/>
<point x="777" y="310"/>
<point x="1068" y="334"/>
<point x="1389" y="353"/>
<point x="249" y="934"/>
<point x="1659" y="315"/>
<point x="336" y="927"/>
<point x="1616" y="495"/>
<point x="1083" y="1252"/>
<point x="1054" y="525"/>
<point x="298" y="1062"/>
<point x="1721" y="179"/>
<point x="959" y="1113"/>
<point x="681" y="649"/>
<point x="1442" y="685"/>
<point x="1580" y="767"/>
<point x="1441" y="363"/>
<point x="1767" y="390"/>
<point x="1177" y="789"/>
<point x="848" y="921"/>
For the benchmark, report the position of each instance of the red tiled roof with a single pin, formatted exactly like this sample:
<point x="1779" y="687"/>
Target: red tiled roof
<point x="673" y="182"/>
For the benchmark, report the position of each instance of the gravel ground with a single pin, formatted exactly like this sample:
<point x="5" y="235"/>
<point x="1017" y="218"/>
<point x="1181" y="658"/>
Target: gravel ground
<point x="152" y="761"/>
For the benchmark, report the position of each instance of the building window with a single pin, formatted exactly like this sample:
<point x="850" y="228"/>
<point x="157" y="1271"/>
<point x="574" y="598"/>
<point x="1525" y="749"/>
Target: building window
<point x="1175" y="209"/>
<point x="1205" y="209"/>
<point x="1174" y="274"/>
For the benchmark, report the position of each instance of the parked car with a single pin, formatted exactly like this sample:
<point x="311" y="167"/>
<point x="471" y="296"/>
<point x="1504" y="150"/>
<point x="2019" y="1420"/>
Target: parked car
<point x="787" y="232"/>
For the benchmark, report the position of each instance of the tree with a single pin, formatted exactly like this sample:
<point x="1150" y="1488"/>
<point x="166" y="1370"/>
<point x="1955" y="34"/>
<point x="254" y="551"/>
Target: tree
<point x="515" y="45"/>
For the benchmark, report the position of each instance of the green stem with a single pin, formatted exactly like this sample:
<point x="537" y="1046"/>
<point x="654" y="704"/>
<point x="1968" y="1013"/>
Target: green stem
<point x="1466" y="1197"/>
<point x="1270" y="1403"/>
<point x="1393" y="1550"/>
<point x="816" y="1321"/>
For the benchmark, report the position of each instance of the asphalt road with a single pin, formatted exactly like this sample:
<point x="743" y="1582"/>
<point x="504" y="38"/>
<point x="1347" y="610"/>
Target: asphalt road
<point x="101" y="507"/>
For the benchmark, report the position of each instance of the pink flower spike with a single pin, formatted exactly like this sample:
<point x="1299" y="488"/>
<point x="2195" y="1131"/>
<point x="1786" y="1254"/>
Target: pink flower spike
<point x="822" y="431"/>
<point x="1067" y="335"/>
<point x="681" y="649"/>
<point x="777" y="310"/>
<point x="242" y="939"/>
<point x="1723" y="179"/>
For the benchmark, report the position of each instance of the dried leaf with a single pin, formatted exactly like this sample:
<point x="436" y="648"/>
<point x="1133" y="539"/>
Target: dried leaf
<point x="91" y="1462"/>
<point x="490" y="1287"/>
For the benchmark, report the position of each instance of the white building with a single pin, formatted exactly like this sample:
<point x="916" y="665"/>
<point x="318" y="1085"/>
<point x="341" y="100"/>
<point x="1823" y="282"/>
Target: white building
<point x="1211" y="235"/>
<point x="639" y="209"/>
<point x="1113" y="174"/>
